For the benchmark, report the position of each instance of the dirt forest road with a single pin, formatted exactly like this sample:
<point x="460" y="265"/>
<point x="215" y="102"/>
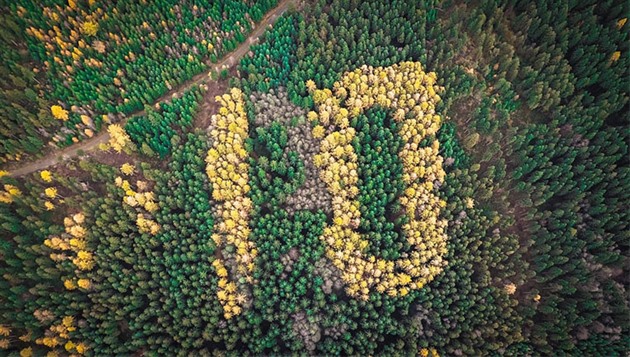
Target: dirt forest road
<point x="229" y="60"/>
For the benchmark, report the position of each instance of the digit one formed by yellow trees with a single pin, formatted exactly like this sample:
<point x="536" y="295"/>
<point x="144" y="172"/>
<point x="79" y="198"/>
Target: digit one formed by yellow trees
<point x="411" y="93"/>
<point x="227" y="170"/>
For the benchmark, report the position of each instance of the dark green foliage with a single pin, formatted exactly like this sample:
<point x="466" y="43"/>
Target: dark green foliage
<point x="465" y="308"/>
<point x="558" y="66"/>
<point x="24" y="119"/>
<point x="272" y="60"/>
<point x="337" y="40"/>
<point x="146" y="78"/>
<point x="566" y="57"/>
<point x="158" y="128"/>
<point x="377" y="144"/>
<point x="284" y="288"/>
<point x="563" y="177"/>
<point x="346" y="36"/>
<point x="31" y="283"/>
<point x="158" y="45"/>
<point x="450" y="147"/>
<point x="273" y="173"/>
<point x="535" y="149"/>
<point x="160" y="286"/>
<point x="29" y="278"/>
<point x="189" y="310"/>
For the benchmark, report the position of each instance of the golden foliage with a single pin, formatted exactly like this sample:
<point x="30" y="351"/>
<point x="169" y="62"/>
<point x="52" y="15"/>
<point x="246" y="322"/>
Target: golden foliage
<point x="310" y="86"/>
<point x="143" y="202"/>
<point x="318" y="132"/>
<point x="59" y="334"/>
<point x="81" y="347"/>
<point x="405" y="88"/>
<point x="9" y="193"/>
<point x="86" y="120"/>
<point x="69" y="284"/>
<point x="46" y="176"/>
<point x="127" y="169"/>
<point x="90" y="28"/>
<point x="59" y="113"/>
<point x="71" y="242"/>
<point x="84" y="283"/>
<point x="118" y="138"/>
<point x="227" y="170"/>
<point x="425" y="352"/>
<point x="51" y="192"/>
<point x="615" y="56"/>
<point x="4" y="331"/>
<point x="147" y="225"/>
<point x="412" y="94"/>
<point x="78" y="218"/>
<point x="68" y="321"/>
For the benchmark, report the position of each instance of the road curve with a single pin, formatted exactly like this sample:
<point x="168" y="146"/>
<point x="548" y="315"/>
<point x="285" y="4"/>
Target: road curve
<point x="228" y="61"/>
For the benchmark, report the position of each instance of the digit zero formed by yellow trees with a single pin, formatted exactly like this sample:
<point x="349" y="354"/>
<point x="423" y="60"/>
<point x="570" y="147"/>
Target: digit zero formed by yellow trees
<point x="412" y="94"/>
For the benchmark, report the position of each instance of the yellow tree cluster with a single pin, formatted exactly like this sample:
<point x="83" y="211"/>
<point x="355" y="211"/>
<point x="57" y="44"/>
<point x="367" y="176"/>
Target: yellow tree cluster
<point x="227" y="170"/>
<point x="118" y="137"/>
<point x="50" y="193"/>
<point x="6" y="341"/>
<point x="89" y="28"/>
<point x="426" y="352"/>
<point x="227" y="291"/>
<point x="127" y="169"/>
<point x="59" y="335"/>
<point x="59" y="113"/>
<point x="86" y="125"/>
<point x="144" y="203"/>
<point x="4" y="332"/>
<point x="412" y="94"/>
<point x="67" y="37"/>
<point x="71" y="245"/>
<point x="46" y="176"/>
<point x="615" y="56"/>
<point x="9" y="193"/>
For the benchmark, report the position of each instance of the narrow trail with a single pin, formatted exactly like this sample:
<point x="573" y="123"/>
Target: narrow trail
<point x="229" y="60"/>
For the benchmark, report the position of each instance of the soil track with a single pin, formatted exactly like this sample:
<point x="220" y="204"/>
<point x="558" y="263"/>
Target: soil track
<point x="229" y="60"/>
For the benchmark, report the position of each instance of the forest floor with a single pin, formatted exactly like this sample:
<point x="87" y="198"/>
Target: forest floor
<point x="228" y="62"/>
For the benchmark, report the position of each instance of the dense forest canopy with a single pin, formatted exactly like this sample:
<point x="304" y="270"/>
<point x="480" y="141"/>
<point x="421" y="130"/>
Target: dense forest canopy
<point x="365" y="178"/>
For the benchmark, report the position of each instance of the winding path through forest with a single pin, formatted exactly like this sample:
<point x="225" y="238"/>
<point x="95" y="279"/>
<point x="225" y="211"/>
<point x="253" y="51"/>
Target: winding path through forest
<point x="228" y="61"/>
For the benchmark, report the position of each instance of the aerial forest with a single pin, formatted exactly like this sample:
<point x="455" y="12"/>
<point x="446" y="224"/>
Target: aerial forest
<point x="314" y="177"/>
